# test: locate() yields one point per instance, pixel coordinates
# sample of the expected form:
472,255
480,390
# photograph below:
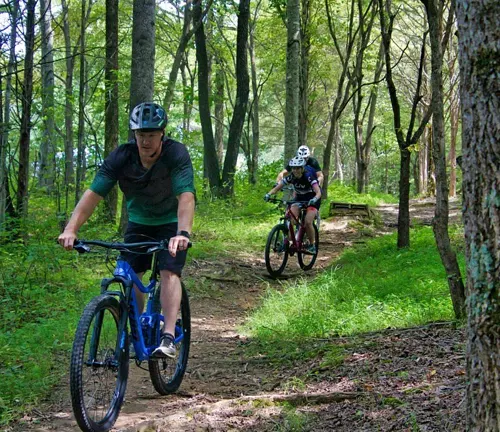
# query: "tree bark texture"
143,52
241,102
479,57
5,197
111,109
46,174
305,49
219,112
440,223
27,94
255,111
210,160
69,172
292,79
80,159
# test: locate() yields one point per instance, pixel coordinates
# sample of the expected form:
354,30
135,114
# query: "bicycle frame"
294,242
147,323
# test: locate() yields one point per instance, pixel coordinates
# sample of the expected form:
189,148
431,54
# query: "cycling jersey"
151,194
311,162
304,185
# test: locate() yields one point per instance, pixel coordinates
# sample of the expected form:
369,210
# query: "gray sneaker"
166,348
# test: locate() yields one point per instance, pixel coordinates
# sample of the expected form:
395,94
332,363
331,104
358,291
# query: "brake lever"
81,247
163,246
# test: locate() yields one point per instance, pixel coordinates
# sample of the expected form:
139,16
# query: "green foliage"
344,193
372,287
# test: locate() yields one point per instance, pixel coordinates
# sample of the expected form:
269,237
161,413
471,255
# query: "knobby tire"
167,373
276,248
303,258
95,406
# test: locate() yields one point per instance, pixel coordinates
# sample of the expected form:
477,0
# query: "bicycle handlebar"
289,202
83,246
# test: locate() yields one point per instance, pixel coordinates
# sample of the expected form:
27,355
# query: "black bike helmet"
148,116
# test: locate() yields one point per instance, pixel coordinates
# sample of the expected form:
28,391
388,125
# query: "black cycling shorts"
141,233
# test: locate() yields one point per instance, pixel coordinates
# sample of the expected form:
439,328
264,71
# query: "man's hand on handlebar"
178,243
67,239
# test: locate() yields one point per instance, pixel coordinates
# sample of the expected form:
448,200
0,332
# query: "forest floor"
393,380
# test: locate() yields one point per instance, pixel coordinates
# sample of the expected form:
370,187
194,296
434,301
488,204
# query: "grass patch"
373,286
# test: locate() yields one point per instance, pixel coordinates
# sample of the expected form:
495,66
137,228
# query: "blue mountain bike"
100,357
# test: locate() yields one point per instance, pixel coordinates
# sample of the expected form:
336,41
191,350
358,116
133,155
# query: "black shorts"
141,233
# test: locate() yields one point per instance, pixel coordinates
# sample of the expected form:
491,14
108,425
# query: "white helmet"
297,162
303,152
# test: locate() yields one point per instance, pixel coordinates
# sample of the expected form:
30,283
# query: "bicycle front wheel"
276,254
167,373
307,259
99,370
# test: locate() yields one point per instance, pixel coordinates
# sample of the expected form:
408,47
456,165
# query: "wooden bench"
348,209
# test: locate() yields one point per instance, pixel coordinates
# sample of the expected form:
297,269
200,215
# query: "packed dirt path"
394,380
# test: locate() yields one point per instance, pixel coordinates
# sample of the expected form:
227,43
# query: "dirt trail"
389,380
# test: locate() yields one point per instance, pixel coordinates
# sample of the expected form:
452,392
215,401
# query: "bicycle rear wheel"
307,259
276,254
98,374
167,373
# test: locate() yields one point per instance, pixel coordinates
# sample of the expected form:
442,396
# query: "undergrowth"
43,289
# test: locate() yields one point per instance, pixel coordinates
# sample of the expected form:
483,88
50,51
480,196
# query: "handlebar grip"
80,247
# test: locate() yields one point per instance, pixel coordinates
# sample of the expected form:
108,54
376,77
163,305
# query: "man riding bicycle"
304,153
306,189
156,176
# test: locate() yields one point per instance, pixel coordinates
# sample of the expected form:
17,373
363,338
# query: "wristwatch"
184,233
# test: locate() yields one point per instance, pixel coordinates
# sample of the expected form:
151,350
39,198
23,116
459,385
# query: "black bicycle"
100,357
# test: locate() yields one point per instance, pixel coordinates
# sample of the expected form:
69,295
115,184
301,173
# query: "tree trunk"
440,223
46,174
111,109
255,111
143,53
240,106
80,160
219,112
292,79
454,118
479,54
68,110
211,163
186,36
5,198
27,94
305,49
411,137
143,64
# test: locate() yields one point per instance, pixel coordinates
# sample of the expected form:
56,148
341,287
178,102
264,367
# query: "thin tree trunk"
68,110
305,49
240,106
5,197
27,94
111,109
219,112
440,223
211,163
411,136
81,107
292,79
46,174
255,112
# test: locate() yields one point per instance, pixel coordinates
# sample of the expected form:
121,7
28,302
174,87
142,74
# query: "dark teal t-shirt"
151,194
